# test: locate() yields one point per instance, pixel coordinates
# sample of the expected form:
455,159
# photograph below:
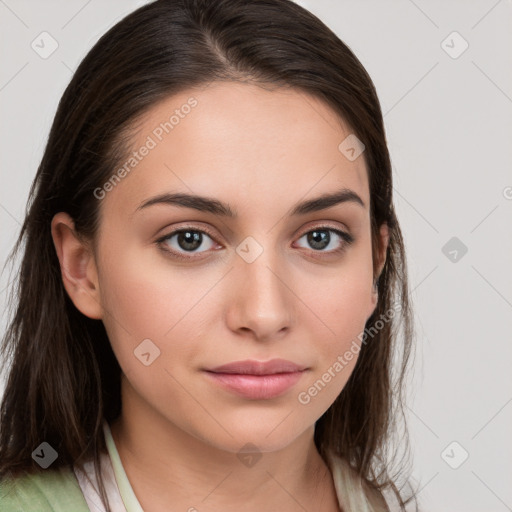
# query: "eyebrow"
211,205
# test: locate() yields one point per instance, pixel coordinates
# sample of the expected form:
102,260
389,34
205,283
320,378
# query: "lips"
257,380
259,368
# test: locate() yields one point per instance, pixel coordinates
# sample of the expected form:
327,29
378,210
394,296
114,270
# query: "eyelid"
198,227
322,225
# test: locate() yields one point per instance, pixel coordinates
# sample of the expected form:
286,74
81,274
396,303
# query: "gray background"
449,126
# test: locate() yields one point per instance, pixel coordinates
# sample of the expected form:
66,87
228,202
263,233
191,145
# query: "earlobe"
78,266
374,298
383,248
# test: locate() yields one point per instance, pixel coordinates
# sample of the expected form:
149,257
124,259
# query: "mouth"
251,367
257,380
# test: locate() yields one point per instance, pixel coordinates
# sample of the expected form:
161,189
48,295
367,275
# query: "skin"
261,151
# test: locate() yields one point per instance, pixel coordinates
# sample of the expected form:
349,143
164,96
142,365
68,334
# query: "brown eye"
189,240
321,239
183,241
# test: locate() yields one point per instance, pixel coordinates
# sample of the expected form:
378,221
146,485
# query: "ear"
78,266
383,240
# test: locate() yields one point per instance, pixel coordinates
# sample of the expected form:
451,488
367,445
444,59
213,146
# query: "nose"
260,300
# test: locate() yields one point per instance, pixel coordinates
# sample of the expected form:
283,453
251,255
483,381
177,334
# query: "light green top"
125,489
52,490
58,490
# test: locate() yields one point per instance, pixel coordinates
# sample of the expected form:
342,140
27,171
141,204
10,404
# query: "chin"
267,436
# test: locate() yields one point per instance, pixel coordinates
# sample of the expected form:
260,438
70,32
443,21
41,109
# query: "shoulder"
54,490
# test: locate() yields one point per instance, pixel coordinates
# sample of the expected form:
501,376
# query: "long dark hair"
64,378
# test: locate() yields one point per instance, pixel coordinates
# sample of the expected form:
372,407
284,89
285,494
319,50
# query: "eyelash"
346,237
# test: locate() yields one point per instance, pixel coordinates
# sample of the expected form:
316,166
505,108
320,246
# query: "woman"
213,276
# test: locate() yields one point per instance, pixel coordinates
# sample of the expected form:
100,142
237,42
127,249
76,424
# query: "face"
243,275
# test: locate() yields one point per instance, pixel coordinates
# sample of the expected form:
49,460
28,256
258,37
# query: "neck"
166,465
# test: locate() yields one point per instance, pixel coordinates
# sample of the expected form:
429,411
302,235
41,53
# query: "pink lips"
257,380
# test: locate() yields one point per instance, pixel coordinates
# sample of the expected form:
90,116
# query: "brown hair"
64,378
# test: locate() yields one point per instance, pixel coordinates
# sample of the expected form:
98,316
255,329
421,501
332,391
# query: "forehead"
240,143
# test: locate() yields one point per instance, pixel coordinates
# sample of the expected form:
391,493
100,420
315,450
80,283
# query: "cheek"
151,299
142,293
341,305
340,302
